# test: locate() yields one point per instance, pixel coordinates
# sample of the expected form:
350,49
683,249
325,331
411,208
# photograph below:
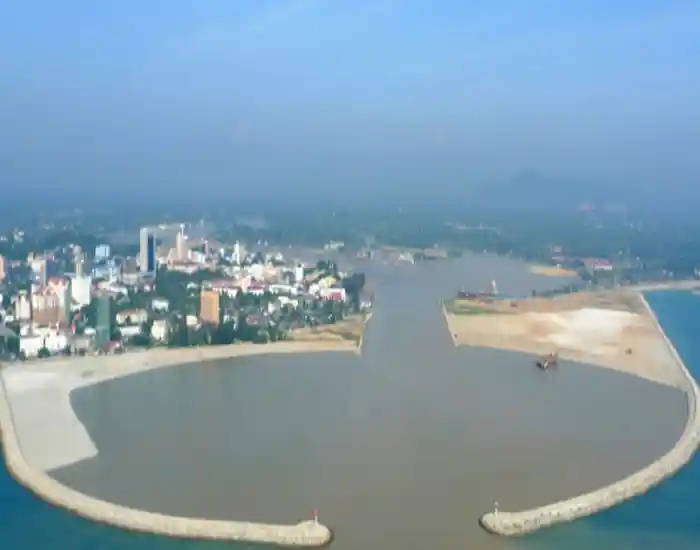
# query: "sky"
379,98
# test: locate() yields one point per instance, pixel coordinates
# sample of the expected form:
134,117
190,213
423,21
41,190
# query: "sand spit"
519,523
58,378
612,330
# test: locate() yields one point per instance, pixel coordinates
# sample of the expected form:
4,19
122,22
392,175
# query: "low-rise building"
129,331
127,317
33,339
160,305
337,294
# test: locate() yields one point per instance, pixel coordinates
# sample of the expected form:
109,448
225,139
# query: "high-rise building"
104,319
2,268
210,307
79,260
46,307
181,248
62,288
39,270
237,259
147,253
102,252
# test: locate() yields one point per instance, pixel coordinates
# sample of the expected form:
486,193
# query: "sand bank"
40,432
518,523
551,271
612,330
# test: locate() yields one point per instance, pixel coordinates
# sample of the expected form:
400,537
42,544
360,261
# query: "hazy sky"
316,95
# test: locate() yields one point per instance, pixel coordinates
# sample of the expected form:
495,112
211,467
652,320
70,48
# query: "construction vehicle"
550,360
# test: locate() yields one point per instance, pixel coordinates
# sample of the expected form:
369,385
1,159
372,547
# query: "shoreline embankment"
447,322
528,521
306,533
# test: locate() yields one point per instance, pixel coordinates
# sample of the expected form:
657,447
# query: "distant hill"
532,192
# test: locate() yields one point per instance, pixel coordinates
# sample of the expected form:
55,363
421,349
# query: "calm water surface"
403,447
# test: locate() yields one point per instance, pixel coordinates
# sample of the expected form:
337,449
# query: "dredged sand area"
624,335
40,432
612,329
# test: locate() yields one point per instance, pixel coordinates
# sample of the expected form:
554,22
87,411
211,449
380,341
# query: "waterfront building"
105,319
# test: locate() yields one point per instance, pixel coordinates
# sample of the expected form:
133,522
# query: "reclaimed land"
66,375
528,521
351,330
611,329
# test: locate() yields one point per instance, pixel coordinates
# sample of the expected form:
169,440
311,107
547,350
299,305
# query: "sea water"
666,517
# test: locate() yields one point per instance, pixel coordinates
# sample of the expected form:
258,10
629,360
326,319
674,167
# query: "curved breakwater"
306,533
528,521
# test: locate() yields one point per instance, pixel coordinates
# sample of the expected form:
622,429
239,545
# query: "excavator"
550,360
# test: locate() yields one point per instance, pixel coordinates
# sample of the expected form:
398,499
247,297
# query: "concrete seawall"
447,322
528,521
368,316
306,533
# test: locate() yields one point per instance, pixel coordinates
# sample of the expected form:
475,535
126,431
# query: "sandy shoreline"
518,523
613,330
36,420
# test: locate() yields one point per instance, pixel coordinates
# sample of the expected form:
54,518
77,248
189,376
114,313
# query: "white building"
131,317
181,248
160,305
299,274
23,307
129,331
32,340
102,252
159,330
81,290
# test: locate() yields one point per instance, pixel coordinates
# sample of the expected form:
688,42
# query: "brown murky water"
401,448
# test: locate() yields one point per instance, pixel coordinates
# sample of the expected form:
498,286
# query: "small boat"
549,361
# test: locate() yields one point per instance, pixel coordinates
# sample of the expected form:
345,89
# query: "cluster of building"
92,306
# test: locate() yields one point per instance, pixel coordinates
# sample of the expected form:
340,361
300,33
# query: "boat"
548,361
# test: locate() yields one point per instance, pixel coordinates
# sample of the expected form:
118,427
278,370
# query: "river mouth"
403,447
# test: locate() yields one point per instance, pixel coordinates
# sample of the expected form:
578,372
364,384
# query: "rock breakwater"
528,521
